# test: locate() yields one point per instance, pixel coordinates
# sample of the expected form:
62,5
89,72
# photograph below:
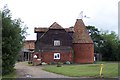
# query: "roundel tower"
82,44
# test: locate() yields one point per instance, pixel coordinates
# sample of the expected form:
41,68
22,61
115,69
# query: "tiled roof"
29,44
40,29
69,29
55,25
81,35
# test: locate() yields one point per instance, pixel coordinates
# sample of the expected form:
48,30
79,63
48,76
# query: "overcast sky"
42,13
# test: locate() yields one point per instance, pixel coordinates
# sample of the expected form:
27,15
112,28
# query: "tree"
96,37
110,46
105,43
12,39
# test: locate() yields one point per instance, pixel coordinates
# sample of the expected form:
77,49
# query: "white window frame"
56,55
56,42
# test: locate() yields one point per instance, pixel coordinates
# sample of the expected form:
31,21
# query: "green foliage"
110,46
12,39
29,62
96,37
105,43
11,75
59,64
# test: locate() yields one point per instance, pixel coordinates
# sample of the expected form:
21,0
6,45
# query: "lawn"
110,70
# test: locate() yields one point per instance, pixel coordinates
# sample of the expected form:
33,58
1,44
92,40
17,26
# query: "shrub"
59,64
68,62
30,62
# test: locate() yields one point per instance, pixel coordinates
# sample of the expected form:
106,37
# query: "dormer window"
56,42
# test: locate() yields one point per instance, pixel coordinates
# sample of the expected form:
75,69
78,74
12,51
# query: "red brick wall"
35,60
64,56
38,55
83,53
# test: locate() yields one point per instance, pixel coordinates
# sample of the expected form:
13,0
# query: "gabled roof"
55,25
81,35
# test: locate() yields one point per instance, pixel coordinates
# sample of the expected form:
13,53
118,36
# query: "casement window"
56,55
56,42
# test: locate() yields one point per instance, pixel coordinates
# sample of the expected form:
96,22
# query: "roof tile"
55,25
81,35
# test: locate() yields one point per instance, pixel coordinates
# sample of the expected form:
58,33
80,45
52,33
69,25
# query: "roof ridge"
55,25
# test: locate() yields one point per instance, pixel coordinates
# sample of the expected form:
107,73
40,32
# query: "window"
56,55
56,42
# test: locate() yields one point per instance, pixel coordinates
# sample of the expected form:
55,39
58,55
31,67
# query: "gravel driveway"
25,71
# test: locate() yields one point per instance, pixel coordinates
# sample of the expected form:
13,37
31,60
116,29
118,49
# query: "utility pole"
119,20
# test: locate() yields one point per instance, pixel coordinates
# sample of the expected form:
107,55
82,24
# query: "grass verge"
110,70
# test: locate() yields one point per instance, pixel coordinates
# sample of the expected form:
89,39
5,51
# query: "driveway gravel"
24,70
